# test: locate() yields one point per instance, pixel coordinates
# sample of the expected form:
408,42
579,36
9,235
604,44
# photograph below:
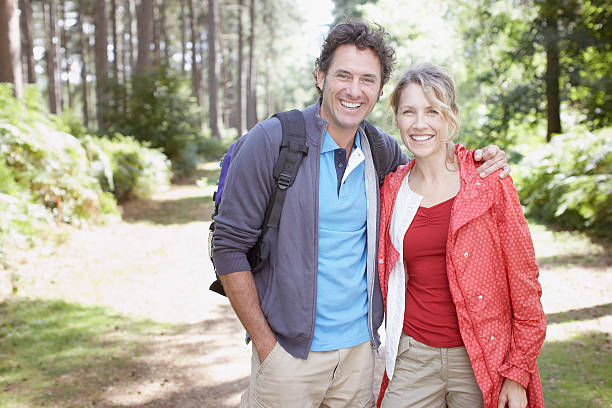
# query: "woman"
457,268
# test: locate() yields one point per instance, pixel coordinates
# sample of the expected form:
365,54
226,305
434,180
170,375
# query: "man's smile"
350,105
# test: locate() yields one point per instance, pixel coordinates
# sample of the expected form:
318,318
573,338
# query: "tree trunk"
131,21
52,77
10,53
551,45
156,34
163,30
195,70
227,86
252,75
101,59
124,46
213,68
271,55
241,88
115,41
183,39
84,47
27,44
145,35
66,55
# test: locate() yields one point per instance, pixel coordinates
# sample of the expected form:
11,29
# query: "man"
313,308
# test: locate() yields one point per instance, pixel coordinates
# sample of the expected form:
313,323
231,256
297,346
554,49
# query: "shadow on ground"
597,260
169,212
55,353
585,313
206,173
214,396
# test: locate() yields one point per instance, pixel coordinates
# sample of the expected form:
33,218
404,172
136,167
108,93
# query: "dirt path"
155,265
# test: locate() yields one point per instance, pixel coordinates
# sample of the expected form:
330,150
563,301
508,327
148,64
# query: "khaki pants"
431,377
327,379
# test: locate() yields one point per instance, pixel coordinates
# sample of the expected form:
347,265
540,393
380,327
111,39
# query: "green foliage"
69,122
569,181
47,175
503,85
161,111
500,85
214,149
135,170
585,42
53,167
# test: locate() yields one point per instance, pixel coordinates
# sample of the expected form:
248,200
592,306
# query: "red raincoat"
493,279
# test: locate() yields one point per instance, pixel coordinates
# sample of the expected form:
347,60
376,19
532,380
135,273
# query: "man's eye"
369,80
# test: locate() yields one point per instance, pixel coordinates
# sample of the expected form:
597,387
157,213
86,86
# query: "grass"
575,363
55,353
578,372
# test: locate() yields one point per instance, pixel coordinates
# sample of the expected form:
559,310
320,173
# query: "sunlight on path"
162,272
576,275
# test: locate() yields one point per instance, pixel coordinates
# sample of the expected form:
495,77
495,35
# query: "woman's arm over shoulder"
528,318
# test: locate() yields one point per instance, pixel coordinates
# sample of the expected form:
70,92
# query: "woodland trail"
153,266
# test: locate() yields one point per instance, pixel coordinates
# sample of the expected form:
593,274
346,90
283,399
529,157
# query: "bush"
54,167
214,149
44,174
162,111
136,170
568,182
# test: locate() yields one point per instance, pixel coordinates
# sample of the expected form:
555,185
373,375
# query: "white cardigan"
406,206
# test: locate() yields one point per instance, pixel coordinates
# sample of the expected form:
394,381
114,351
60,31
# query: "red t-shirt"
430,316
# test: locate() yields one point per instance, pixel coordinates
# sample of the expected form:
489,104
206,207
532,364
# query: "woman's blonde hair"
439,88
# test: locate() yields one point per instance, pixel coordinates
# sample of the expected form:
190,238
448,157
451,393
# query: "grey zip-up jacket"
287,281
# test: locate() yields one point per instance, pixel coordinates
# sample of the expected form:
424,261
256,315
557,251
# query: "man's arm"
494,158
238,226
242,294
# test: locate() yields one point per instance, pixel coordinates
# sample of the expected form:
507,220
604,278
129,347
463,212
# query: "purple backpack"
292,150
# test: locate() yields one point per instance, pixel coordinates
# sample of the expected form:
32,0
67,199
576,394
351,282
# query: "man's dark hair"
361,36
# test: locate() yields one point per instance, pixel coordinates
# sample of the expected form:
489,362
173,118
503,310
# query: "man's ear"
320,79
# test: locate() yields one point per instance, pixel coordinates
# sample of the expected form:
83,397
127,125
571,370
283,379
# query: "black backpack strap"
292,150
377,147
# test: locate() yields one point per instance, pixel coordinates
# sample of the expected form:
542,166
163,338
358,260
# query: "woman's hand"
513,394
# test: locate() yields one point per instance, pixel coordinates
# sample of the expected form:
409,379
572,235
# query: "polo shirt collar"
329,144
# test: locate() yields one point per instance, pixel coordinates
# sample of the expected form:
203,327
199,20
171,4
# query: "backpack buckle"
284,181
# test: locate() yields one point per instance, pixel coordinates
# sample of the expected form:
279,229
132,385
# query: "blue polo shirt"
342,299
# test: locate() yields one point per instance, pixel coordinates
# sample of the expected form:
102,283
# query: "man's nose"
354,88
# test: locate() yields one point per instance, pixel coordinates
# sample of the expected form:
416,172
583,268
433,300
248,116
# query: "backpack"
292,150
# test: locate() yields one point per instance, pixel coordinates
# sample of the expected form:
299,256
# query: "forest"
187,78
114,115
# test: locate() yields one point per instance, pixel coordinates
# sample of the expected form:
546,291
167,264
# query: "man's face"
351,87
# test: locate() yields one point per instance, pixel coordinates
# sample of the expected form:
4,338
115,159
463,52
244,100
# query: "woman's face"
423,128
